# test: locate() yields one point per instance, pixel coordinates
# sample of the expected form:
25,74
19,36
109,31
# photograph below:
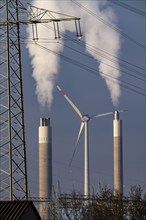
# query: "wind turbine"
84,125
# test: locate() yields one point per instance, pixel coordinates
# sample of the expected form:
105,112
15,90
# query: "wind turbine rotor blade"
103,114
70,102
80,131
73,156
125,110
108,113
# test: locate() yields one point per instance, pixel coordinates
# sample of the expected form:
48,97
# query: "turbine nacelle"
85,118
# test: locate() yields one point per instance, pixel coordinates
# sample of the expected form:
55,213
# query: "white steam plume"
96,33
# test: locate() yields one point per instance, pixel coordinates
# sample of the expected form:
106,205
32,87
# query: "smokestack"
45,166
118,154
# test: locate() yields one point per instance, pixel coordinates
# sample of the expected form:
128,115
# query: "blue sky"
89,92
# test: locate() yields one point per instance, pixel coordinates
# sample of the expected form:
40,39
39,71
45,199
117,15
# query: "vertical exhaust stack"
45,166
118,154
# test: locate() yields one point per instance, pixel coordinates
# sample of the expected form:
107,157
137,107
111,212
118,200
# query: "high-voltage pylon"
13,170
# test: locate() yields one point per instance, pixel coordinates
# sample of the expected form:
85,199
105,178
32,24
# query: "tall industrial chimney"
45,167
118,154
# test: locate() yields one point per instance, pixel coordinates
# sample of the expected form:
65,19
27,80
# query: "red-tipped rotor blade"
69,101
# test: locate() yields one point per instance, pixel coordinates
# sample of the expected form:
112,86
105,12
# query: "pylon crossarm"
38,14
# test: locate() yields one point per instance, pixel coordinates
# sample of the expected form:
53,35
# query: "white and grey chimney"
118,154
45,166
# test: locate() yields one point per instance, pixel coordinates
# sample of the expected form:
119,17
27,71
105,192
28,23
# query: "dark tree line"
103,205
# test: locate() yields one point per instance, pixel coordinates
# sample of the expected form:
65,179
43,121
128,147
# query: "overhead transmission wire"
89,69
109,25
89,56
93,71
82,44
116,2
129,7
108,55
94,49
122,60
105,55
130,74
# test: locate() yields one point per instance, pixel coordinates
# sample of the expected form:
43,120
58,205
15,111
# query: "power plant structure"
45,167
118,154
13,170
13,13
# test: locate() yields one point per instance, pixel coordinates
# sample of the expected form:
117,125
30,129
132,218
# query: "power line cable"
93,71
73,49
89,56
109,25
129,7
102,53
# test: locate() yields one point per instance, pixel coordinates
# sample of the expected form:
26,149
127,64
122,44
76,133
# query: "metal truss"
13,172
40,15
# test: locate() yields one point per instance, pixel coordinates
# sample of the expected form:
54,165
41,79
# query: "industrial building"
18,210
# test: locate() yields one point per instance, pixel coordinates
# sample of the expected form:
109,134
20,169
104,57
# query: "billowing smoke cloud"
46,65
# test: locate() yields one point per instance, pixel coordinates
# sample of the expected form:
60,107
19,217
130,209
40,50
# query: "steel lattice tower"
13,172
